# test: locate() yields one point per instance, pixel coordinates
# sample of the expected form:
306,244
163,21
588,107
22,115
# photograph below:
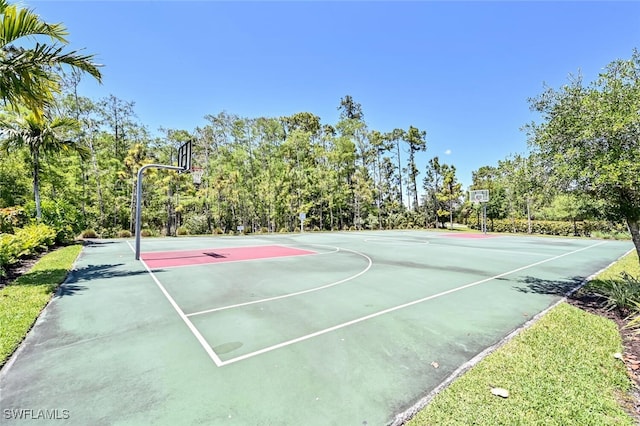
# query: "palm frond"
18,22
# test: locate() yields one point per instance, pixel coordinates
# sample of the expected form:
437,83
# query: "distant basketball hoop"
479,196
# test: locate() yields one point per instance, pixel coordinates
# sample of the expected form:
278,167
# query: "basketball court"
307,328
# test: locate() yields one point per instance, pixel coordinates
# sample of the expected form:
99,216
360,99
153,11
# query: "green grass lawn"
628,263
560,371
22,301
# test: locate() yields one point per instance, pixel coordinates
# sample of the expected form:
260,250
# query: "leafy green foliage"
621,293
547,227
12,217
29,74
61,216
25,242
590,137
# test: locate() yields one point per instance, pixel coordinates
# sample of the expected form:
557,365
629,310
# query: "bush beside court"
23,243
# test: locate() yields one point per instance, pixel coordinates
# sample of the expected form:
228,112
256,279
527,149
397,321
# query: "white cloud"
447,152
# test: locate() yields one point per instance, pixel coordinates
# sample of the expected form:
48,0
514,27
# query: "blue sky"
462,71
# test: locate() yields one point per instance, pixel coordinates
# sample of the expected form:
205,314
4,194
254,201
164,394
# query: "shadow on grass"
555,287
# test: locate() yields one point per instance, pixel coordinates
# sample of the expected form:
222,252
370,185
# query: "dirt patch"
630,342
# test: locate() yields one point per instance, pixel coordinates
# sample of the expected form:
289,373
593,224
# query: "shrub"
25,242
146,233
124,233
182,231
12,217
621,294
88,233
196,224
597,229
65,218
217,231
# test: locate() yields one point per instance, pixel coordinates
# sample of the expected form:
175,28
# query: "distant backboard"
479,196
184,156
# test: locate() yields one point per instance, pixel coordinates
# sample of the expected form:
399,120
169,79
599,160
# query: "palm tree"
30,76
40,136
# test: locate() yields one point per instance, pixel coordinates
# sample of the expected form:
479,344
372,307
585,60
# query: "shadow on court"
94,272
315,329
551,287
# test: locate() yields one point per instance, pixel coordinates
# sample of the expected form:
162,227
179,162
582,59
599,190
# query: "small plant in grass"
182,231
619,284
634,319
124,233
619,293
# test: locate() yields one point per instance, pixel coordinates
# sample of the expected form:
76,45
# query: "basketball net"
196,175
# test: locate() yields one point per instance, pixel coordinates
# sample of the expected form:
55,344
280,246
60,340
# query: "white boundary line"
395,241
406,305
284,296
208,349
214,357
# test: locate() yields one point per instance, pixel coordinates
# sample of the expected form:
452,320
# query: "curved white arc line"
396,308
284,296
214,357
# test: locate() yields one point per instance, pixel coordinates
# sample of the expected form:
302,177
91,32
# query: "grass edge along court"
530,420
22,301
560,370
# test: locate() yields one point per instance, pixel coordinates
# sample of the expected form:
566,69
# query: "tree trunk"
451,214
634,229
399,173
36,185
94,164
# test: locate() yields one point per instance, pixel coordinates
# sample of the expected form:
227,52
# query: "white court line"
395,241
396,308
284,296
208,349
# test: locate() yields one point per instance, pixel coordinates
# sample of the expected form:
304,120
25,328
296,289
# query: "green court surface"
302,329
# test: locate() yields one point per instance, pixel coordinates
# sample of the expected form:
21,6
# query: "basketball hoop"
479,196
196,174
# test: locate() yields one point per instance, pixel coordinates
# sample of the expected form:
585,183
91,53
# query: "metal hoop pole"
139,199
